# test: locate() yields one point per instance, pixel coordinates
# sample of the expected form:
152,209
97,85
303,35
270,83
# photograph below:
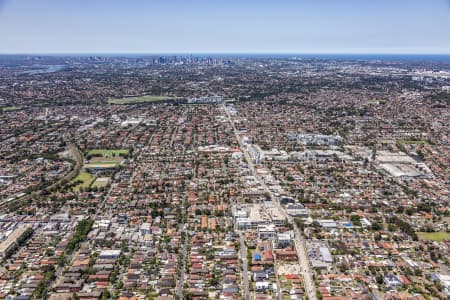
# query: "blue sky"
225,26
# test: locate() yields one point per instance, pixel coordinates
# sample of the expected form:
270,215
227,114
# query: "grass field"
100,159
105,165
100,182
141,99
434,236
109,153
104,158
411,142
11,108
86,179
375,101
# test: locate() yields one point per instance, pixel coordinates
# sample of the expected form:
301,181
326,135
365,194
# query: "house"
262,286
145,229
89,295
259,276
61,296
230,288
392,281
71,286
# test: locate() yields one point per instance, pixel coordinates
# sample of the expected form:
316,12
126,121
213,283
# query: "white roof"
110,252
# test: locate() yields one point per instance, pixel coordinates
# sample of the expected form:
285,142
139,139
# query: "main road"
299,241
244,267
182,266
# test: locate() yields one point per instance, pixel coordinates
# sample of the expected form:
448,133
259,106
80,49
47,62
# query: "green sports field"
434,236
141,99
109,153
85,178
101,165
100,182
11,108
411,142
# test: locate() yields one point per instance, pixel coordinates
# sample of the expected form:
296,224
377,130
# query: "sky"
225,26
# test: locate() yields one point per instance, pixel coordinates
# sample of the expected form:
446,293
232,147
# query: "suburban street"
73,153
183,257
299,241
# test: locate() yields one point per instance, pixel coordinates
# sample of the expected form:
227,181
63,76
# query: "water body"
45,69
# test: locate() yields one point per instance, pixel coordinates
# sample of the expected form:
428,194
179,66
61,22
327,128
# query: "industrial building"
13,240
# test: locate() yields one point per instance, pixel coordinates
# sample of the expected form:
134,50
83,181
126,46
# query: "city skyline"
263,27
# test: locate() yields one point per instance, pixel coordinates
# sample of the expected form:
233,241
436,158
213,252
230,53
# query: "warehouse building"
8,246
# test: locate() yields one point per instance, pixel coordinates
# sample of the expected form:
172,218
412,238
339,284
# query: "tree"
379,279
376,226
106,294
